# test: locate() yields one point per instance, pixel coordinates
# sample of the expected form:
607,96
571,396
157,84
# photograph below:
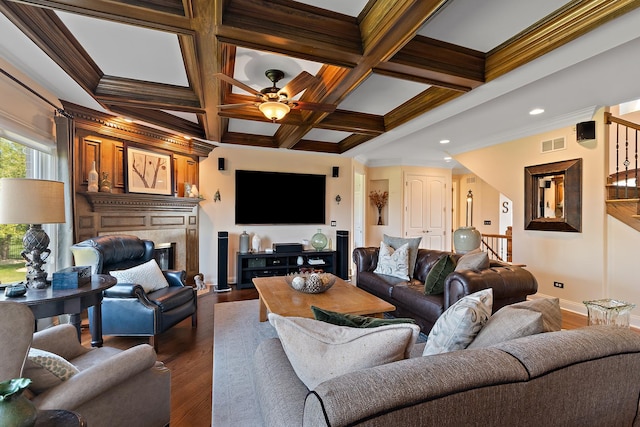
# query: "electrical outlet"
333,223
558,285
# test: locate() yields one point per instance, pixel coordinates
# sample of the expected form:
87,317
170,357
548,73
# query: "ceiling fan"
273,102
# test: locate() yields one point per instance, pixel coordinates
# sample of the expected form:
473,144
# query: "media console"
262,264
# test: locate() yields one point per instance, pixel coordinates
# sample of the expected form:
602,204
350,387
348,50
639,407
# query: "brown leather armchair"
127,310
112,388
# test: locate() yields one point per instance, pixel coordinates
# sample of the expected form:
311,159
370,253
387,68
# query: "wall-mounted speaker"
342,249
586,131
223,262
220,163
335,172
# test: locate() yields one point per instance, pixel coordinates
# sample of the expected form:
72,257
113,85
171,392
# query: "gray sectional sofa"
582,377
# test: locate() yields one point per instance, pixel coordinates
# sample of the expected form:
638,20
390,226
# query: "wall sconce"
338,199
216,197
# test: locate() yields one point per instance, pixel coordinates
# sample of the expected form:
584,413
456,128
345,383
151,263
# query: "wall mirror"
553,196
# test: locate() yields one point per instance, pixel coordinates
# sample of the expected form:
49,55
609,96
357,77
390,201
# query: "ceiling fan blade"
244,104
298,84
313,106
235,82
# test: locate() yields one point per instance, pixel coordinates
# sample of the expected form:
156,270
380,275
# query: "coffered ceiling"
393,77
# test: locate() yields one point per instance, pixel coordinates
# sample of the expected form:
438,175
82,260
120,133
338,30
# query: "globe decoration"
319,240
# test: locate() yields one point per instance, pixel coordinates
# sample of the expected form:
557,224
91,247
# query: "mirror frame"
572,220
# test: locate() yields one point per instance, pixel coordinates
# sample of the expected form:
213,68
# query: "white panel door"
425,198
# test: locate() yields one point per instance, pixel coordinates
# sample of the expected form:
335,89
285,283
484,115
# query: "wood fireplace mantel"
102,202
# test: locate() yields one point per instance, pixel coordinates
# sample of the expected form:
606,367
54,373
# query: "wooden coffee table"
276,296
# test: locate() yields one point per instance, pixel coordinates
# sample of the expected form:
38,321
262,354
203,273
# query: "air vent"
471,180
553,144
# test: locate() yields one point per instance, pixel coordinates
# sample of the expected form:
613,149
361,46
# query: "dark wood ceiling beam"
48,32
210,56
349,121
292,28
121,91
250,140
437,63
558,29
352,141
386,27
418,105
160,118
121,12
317,146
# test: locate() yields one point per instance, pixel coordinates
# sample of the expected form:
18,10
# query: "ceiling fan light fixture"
274,110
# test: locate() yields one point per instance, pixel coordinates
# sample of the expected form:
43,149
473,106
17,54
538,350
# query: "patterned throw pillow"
414,244
434,284
460,323
147,275
393,262
473,261
354,320
319,351
46,370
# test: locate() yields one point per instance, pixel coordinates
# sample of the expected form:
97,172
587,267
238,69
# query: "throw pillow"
393,262
354,320
434,284
506,324
460,323
320,351
473,261
548,307
147,275
414,244
46,370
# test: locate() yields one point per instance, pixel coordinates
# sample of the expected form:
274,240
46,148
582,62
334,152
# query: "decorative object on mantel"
244,242
105,183
187,189
467,239
310,283
16,409
92,179
194,191
319,240
380,200
255,243
41,202
216,197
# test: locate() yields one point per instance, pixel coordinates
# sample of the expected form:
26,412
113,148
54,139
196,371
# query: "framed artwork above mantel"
148,171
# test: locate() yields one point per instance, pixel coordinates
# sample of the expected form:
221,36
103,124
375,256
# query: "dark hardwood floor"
189,354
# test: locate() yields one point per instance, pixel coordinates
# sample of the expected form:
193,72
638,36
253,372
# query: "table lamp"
34,202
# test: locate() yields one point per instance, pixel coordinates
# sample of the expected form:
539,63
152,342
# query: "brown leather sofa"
510,284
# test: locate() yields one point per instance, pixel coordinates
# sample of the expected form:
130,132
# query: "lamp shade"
274,110
31,201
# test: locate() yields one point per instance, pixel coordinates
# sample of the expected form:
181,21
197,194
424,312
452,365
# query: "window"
20,161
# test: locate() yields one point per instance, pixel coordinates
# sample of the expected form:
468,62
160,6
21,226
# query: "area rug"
236,334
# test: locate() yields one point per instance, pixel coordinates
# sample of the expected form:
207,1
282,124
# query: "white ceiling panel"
128,51
483,25
346,7
326,135
380,94
249,126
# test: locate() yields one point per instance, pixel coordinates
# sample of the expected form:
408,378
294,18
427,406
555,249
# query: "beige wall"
582,261
219,216
486,204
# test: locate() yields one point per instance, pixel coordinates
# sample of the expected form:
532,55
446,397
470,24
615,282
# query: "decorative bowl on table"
310,283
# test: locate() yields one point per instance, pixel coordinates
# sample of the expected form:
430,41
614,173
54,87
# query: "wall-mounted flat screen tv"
279,198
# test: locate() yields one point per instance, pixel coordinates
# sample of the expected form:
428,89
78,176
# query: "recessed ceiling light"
447,159
127,119
187,137
536,111
444,141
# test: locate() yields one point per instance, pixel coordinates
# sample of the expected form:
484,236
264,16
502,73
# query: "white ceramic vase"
255,243
466,239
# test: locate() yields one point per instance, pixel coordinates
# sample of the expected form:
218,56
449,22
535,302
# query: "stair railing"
498,246
626,139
